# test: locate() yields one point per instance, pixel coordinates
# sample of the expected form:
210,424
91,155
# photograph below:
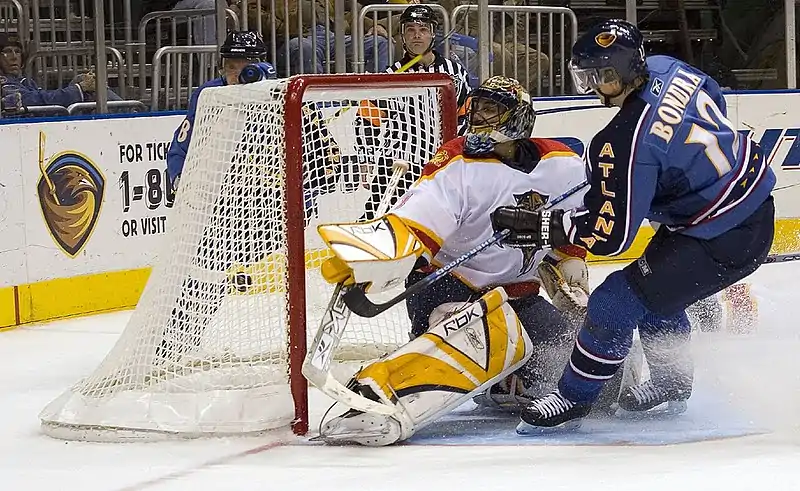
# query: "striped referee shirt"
440,65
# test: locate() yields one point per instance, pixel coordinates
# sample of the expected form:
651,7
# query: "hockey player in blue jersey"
242,61
672,156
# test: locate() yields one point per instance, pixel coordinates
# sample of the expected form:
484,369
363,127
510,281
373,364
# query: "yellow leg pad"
458,357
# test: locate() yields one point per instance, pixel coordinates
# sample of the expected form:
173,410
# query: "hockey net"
216,343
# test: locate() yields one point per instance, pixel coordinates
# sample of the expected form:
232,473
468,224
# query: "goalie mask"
499,110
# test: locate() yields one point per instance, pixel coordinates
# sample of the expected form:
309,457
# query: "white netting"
205,351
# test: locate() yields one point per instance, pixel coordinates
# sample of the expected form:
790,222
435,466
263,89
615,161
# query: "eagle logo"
529,201
605,39
70,193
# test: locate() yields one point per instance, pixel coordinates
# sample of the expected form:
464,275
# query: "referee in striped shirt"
418,29
418,26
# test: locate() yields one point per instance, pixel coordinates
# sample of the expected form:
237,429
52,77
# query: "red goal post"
294,198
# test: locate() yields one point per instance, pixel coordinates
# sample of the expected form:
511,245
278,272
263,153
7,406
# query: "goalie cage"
216,343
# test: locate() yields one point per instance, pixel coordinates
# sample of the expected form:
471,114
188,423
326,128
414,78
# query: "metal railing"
14,19
113,107
550,33
530,43
174,19
35,111
175,92
63,56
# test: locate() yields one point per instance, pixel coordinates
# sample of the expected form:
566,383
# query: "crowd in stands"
741,51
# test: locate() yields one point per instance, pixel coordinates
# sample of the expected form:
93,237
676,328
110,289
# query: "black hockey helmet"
420,15
247,45
500,108
612,50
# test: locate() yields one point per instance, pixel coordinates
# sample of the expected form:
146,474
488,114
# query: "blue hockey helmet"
611,51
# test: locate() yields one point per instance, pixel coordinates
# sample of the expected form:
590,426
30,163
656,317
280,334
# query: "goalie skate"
356,427
510,395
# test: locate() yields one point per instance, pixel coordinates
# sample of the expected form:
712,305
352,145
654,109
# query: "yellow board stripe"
106,292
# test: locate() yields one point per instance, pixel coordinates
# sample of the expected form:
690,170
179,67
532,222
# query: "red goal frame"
296,287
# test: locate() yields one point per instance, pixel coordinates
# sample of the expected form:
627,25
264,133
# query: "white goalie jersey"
449,209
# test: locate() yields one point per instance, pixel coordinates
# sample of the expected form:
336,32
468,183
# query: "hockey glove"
256,72
566,280
541,229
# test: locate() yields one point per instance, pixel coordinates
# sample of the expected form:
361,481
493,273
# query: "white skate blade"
525,429
665,410
372,430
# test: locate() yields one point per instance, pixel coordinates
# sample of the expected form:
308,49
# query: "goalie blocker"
467,350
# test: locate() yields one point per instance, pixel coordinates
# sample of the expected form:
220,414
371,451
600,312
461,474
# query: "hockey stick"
565,109
316,367
362,306
782,258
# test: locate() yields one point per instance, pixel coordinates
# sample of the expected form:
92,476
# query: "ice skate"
645,399
356,427
550,413
509,395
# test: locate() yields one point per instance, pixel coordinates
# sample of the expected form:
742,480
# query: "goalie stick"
357,300
316,367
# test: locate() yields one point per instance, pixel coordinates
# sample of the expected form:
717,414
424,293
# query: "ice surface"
747,385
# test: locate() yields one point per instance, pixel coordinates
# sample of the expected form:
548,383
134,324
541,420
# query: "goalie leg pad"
456,359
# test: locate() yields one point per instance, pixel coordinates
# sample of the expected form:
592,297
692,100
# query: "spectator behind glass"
204,29
312,15
19,92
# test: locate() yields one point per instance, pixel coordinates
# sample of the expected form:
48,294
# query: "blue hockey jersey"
176,156
669,155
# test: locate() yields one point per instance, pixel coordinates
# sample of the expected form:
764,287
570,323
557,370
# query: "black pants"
677,270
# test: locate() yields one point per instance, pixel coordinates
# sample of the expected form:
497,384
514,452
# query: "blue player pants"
651,293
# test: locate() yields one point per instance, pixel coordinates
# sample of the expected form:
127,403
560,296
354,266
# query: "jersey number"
708,110
184,131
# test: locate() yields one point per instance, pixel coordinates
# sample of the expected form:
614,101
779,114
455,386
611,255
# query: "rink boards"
113,169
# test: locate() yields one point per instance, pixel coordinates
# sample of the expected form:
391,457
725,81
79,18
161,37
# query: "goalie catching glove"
379,253
565,278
